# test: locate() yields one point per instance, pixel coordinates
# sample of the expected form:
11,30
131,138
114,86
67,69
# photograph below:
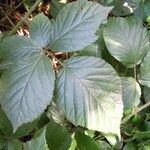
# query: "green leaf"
131,93
56,7
144,78
103,145
88,91
3,142
57,137
56,113
91,50
126,40
27,89
17,47
39,143
5,124
145,126
25,129
84,142
130,146
146,6
73,143
40,29
14,144
144,147
76,24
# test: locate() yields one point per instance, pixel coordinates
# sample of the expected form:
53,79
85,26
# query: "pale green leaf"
131,93
14,144
146,92
76,24
126,40
91,50
18,47
40,29
38,143
144,78
57,137
27,89
88,91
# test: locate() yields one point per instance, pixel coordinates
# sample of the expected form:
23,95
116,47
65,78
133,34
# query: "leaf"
142,135
144,147
39,143
131,93
57,137
130,146
27,89
76,24
144,78
91,50
56,7
126,40
103,145
146,92
17,47
3,142
146,6
122,8
56,113
84,142
42,120
88,91
14,144
5,124
73,143
25,129
40,29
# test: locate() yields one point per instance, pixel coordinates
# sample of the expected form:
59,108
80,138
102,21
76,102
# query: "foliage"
79,80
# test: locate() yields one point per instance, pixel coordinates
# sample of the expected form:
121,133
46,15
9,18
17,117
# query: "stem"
135,112
52,55
20,23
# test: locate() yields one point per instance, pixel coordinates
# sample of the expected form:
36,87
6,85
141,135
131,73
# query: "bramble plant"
79,81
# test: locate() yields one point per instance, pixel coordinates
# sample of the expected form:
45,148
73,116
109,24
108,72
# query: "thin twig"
135,112
20,23
7,16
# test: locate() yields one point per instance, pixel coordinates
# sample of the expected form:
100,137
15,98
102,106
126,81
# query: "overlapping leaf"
27,88
126,40
145,71
39,143
18,47
60,140
76,24
88,91
40,29
131,93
